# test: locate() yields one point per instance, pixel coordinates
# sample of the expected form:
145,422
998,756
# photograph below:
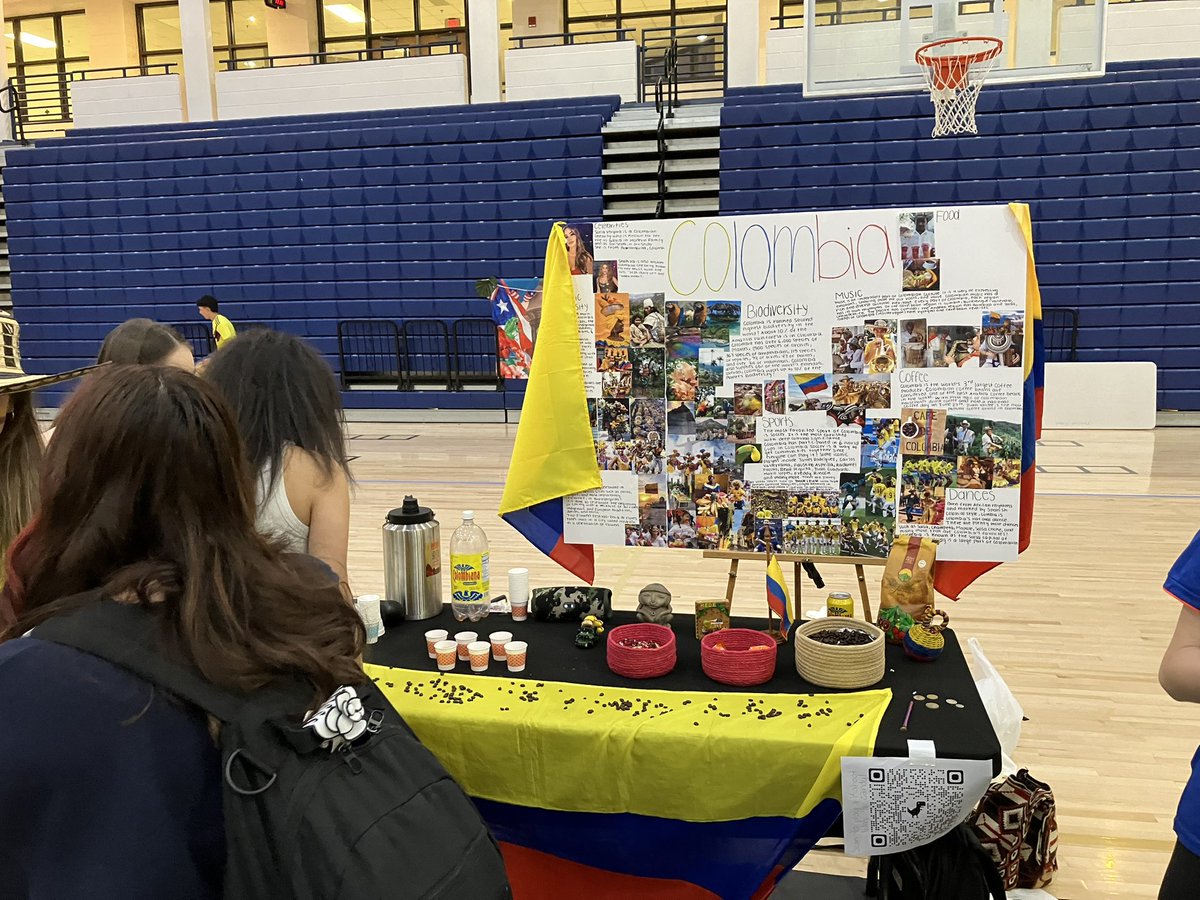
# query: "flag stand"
797,560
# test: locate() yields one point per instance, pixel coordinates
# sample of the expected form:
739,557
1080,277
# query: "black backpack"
378,818
954,867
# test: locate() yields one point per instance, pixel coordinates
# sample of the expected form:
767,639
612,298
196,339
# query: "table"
553,852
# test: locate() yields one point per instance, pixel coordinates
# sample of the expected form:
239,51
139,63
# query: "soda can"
839,603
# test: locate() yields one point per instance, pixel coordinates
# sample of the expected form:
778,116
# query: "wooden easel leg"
733,568
866,598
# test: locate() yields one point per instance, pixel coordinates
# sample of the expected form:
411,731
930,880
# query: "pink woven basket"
645,663
739,663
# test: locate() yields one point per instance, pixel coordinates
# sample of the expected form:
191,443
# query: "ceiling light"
33,40
702,38
347,13
252,19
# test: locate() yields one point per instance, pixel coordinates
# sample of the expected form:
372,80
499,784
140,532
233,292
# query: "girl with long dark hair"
110,788
289,412
144,342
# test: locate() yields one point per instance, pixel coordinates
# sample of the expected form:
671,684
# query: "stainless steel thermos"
412,560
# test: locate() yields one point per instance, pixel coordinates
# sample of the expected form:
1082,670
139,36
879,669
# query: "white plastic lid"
468,515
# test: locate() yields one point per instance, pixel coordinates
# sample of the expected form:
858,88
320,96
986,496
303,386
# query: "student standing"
222,328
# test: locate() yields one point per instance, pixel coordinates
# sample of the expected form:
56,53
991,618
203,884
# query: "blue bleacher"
1109,166
297,222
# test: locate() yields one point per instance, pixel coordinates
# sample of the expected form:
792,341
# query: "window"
421,26
43,51
657,17
239,33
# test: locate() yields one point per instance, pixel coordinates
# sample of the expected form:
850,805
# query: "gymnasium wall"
1110,167
295,222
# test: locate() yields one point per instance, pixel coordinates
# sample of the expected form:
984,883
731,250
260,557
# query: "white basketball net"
954,72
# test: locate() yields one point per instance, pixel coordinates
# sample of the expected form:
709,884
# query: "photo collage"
669,413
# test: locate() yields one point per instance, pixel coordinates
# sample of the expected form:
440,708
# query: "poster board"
804,382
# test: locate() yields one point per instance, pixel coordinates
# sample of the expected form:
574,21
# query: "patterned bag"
1016,825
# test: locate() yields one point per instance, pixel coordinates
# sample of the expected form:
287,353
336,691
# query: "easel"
797,560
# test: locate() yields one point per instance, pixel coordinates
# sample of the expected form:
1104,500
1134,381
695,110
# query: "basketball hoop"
955,69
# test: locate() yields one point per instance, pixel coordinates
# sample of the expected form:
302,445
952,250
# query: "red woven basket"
632,663
738,664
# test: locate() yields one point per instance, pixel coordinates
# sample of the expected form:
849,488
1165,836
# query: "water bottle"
470,580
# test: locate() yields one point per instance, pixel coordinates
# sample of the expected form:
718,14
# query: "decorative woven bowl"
839,667
748,656
635,663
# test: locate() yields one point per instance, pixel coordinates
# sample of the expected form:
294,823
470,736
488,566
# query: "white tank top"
275,514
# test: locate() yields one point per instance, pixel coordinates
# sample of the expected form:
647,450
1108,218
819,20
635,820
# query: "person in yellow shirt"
222,328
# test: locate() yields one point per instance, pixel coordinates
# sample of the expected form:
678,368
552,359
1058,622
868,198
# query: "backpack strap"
124,634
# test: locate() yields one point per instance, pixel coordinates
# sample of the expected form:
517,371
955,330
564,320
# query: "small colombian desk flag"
778,598
554,455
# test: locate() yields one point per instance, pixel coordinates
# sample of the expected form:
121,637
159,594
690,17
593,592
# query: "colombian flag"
952,578
777,595
610,793
554,455
814,385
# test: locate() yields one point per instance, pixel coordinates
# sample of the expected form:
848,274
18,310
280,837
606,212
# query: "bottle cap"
468,515
410,513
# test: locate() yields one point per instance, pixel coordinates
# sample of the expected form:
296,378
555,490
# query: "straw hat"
13,379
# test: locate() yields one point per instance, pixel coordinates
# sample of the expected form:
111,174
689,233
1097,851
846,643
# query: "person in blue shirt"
1179,675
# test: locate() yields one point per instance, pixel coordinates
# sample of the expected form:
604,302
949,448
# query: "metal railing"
569,38
41,104
666,98
696,53
326,57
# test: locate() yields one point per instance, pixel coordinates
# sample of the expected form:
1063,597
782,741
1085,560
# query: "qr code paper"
891,805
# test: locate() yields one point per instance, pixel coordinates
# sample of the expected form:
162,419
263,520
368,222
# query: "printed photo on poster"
880,442
681,418
807,391
1003,340
923,484
712,366
648,321
914,344
953,346
879,355
748,399
775,397
867,391
722,322
975,436
612,318
849,344
606,277
922,432
578,236
649,371
917,236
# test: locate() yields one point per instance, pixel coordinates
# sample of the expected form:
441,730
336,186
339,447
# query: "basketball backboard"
865,46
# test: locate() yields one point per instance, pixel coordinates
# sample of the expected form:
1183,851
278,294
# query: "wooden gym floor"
1077,625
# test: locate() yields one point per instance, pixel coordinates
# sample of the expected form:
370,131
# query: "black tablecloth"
957,733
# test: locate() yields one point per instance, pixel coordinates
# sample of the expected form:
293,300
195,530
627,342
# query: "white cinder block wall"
1166,30
147,100
340,87
578,70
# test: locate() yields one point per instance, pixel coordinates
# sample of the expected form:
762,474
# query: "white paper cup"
447,655
499,639
463,638
520,611
479,653
515,652
518,586
432,638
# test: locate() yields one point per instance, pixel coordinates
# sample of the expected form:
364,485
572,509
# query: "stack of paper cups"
368,608
518,586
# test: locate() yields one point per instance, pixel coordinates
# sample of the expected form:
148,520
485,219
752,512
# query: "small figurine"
654,605
590,630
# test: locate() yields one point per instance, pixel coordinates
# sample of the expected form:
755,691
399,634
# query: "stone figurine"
654,604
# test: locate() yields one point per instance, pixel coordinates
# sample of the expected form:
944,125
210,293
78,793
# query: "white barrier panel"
343,87
1136,31
142,100
576,70
1101,395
